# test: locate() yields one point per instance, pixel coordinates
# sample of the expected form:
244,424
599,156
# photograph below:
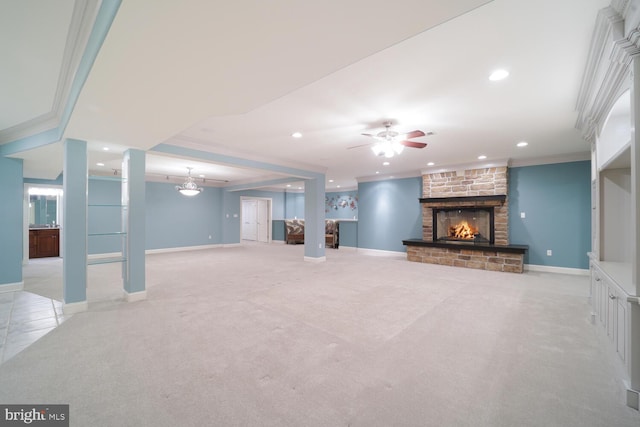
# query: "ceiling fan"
390,142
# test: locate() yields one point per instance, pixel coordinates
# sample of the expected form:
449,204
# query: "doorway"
42,213
256,219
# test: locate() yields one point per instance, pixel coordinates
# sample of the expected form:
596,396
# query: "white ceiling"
240,77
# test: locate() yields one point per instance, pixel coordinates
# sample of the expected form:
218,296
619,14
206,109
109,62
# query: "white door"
249,220
263,222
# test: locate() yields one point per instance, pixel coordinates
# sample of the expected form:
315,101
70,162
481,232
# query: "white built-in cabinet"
609,117
610,311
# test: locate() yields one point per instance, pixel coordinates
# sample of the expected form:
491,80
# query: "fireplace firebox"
464,225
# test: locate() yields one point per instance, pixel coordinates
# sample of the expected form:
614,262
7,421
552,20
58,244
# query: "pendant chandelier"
189,188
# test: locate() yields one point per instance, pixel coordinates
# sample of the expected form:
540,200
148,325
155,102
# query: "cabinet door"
611,314
604,297
48,243
33,244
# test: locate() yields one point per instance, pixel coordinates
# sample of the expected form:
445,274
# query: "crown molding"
83,18
466,166
614,44
387,177
564,158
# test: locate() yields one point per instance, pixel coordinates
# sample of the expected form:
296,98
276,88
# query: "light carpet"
256,336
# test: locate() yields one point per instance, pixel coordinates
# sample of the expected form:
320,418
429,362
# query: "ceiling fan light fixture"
397,147
498,75
378,149
189,188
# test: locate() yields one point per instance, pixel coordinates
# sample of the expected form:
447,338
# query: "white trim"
181,249
75,307
387,177
315,259
559,270
498,163
82,22
633,396
348,248
135,296
379,252
12,287
565,158
105,255
343,189
277,241
269,201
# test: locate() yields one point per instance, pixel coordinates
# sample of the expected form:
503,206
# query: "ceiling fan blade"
414,134
368,134
361,145
413,144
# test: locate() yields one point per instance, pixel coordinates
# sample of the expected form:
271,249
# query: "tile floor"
24,318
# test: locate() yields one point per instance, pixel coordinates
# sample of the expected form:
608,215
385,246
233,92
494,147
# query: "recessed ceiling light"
338,186
105,148
201,176
99,164
330,180
498,75
430,164
482,157
522,144
377,172
386,164
299,188
296,135
288,185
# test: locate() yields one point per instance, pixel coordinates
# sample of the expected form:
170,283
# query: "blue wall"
230,217
11,226
349,234
341,205
389,212
556,199
294,205
174,220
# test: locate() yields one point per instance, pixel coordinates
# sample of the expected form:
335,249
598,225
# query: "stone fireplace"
465,221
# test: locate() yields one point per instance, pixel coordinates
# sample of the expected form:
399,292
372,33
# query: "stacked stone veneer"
482,260
470,182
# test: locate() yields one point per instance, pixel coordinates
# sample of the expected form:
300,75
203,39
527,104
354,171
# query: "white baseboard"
181,249
379,252
12,287
559,270
348,248
633,396
135,296
232,245
75,307
315,259
105,255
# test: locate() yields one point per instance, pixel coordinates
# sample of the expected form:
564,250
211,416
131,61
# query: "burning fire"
462,230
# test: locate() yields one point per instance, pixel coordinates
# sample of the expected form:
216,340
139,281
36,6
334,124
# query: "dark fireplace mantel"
492,200
517,249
